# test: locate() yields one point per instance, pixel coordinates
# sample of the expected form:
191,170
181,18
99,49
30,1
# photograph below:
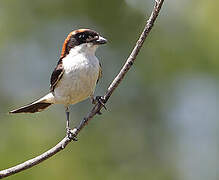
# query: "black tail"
31,108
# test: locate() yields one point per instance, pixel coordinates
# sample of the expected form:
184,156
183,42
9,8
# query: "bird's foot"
100,100
70,134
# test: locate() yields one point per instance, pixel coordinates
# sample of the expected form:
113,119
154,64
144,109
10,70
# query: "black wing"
56,75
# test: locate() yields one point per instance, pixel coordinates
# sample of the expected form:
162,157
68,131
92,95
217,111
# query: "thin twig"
63,143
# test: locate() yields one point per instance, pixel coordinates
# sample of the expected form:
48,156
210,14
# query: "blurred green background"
161,122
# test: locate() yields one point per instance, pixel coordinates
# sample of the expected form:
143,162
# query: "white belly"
78,81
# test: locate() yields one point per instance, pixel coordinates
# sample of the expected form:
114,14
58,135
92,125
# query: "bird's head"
82,40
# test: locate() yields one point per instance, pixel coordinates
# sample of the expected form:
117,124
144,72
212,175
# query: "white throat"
86,48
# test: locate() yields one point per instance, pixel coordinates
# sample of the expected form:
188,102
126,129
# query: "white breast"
81,69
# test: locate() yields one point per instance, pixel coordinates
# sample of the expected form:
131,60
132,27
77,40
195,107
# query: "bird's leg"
93,101
69,132
98,99
67,119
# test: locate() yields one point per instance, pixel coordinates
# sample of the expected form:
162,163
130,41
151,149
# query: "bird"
75,76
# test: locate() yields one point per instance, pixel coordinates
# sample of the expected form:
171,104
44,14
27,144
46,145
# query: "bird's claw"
100,100
70,134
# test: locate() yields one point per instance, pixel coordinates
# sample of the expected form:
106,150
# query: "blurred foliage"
161,123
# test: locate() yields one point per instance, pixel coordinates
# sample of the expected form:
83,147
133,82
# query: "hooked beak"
100,41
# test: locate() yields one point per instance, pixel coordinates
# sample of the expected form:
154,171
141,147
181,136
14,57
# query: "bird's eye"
81,36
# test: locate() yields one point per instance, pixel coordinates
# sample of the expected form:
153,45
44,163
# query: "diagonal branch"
63,143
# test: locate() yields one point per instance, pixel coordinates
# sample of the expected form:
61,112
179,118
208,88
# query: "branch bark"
64,142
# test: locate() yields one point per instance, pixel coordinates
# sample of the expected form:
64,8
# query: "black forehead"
85,34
